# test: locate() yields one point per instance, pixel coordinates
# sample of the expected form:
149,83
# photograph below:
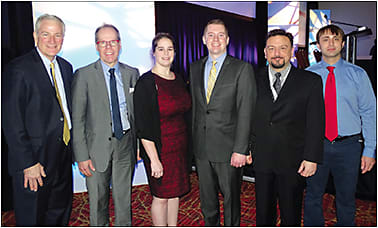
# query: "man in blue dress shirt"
355,118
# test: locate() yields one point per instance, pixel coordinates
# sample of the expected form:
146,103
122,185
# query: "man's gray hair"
49,17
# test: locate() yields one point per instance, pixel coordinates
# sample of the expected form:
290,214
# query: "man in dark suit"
104,140
287,133
223,97
36,121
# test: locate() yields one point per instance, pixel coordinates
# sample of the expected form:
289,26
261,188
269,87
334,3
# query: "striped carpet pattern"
190,212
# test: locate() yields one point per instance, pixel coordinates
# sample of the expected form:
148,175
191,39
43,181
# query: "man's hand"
238,160
367,164
249,158
33,176
85,167
307,168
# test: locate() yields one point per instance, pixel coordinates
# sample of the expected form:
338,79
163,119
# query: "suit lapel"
45,77
266,84
223,72
289,83
127,84
201,74
203,92
66,81
101,89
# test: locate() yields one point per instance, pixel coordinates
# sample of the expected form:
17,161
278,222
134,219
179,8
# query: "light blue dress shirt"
209,65
120,92
356,102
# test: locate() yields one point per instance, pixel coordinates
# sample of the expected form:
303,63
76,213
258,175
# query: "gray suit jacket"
91,117
222,126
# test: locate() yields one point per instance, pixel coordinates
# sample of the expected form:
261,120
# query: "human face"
49,39
330,45
164,52
278,52
108,54
216,40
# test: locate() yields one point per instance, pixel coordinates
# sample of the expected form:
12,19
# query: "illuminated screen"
318,19
136,24
285,15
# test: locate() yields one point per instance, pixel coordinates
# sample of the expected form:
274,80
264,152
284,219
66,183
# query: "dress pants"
120,172
51,205
342,159
287,187
215,176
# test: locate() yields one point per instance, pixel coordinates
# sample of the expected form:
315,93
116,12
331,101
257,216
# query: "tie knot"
52,65
214,62
330,68
111,71
278,75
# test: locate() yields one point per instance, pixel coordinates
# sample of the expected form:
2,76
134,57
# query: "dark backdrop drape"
16,39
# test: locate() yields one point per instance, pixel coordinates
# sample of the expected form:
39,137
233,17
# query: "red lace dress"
174,101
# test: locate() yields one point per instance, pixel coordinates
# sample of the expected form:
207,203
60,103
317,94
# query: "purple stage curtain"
186,22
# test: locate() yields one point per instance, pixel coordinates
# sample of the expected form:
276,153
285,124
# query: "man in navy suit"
36,119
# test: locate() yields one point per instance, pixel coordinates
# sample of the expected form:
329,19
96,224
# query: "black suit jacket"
222,126
31,116
290,129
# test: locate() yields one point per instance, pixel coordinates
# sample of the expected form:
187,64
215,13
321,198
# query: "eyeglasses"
104,43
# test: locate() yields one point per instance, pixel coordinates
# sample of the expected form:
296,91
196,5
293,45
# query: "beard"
277,65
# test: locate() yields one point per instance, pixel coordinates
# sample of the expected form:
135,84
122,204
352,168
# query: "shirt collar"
338,64
283,72
107,68
45,60
220,59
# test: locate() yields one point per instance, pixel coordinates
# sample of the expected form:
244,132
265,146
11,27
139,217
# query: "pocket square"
131,90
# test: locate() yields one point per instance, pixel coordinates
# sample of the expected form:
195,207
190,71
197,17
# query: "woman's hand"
156,169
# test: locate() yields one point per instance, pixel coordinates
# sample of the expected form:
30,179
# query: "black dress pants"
286,187
51,205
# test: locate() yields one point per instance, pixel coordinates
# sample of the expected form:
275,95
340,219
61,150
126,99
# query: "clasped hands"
240,160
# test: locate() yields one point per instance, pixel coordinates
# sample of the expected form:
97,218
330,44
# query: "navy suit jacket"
31,116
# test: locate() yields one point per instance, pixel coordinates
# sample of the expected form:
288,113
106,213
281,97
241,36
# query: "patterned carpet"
190,213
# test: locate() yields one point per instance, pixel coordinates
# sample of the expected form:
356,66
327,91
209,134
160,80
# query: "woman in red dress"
160,101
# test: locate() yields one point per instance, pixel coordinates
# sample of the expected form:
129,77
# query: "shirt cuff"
368,152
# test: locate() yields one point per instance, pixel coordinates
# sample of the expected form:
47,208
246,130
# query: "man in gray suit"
104,141
223,98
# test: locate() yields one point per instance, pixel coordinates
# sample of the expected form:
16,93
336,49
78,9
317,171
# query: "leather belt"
124,132
342,138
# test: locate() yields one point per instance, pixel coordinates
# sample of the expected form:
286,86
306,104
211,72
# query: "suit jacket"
91,117
290,129
32,118
222,126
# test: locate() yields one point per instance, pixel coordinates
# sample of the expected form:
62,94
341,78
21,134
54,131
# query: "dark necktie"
115,106
277,82
330,106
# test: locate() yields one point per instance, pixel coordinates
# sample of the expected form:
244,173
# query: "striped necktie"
211,81
66,130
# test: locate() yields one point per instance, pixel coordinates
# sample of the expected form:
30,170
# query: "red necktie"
330,106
